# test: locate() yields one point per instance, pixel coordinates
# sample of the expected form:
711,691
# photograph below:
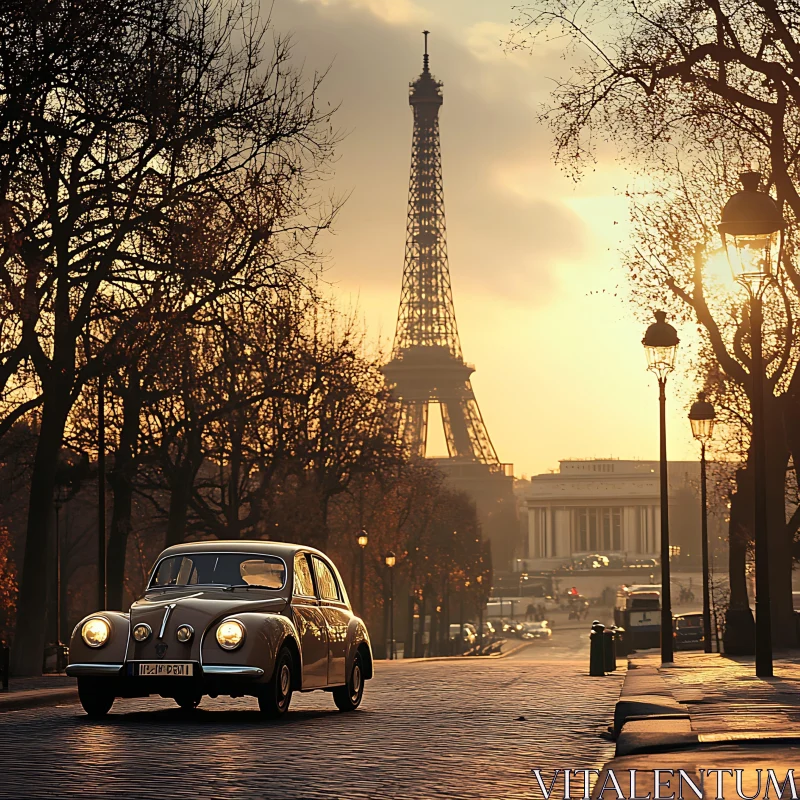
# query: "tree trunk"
179,499
121,481
29,639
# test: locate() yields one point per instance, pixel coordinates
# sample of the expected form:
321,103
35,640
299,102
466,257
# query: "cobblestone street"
437,729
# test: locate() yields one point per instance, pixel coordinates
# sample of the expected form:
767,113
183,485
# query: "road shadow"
201,717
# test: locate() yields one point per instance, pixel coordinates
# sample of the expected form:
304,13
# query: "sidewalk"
38,692
704,712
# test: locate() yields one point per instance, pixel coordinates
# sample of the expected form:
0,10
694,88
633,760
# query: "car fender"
356,636
264,636
112,652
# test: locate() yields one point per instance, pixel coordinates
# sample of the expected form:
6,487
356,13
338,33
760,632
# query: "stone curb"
657,720
37,698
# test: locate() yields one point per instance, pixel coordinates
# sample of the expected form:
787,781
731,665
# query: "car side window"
303,585
328,588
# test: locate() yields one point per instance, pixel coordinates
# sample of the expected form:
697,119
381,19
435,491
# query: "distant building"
610,507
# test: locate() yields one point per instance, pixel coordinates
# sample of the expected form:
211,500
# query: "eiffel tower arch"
427,366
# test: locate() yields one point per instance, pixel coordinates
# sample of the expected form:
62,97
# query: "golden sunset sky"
539,294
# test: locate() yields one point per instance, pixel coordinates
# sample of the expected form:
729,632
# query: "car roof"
284,550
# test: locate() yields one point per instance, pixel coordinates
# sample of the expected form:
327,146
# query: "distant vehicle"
650,563
593,561
550,604
535,630
644,587
470,637
688,631
637,609
489,629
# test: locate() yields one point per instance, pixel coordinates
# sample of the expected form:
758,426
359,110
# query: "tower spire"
426,57
427,365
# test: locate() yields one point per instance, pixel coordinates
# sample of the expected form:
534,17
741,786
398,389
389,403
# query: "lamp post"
363,540
751,227
61,495
391,560
661,344
479,581
101,490
701,417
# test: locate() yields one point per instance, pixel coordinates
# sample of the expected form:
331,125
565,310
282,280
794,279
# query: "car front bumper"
123,680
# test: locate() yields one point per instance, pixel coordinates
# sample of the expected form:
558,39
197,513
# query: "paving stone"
425,730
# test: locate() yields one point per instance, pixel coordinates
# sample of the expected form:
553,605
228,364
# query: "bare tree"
113,115
690,91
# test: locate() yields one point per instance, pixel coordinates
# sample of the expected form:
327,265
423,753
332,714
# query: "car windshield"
690,622
224,569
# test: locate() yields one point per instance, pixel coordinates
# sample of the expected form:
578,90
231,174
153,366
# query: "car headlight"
95,632
142,632
230,634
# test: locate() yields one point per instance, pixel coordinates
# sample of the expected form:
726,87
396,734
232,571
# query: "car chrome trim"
233,669
75,670
167,612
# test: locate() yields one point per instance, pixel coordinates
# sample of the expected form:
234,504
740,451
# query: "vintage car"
235,618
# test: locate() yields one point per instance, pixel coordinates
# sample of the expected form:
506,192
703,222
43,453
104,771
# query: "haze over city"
540,298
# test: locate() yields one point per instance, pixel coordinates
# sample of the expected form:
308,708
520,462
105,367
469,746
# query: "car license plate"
160,669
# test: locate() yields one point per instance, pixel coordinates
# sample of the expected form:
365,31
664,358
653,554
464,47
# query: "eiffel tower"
427,365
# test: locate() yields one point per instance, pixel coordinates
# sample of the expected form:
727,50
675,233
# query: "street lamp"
661,344
62,494
479,581
391,560
363,540
701,417
751,227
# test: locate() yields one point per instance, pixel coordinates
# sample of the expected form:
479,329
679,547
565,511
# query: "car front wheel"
188,702
348,698
96,700
274,700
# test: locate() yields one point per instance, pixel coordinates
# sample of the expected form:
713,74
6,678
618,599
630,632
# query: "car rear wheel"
96,700
274,700
189,702
348,698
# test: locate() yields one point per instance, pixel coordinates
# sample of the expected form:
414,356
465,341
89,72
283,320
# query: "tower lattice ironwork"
427,365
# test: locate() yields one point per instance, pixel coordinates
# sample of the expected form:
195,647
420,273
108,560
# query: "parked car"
470,636
536,630
688,631
489,630
236,618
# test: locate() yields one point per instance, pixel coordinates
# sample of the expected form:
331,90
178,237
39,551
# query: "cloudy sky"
539,295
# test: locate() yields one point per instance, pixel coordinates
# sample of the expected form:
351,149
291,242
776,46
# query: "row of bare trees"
689,94
162,195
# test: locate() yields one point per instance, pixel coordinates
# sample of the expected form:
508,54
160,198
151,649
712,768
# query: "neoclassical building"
603,506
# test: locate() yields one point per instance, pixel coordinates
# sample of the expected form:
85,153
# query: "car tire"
274,700
188,702
95,700
348,697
